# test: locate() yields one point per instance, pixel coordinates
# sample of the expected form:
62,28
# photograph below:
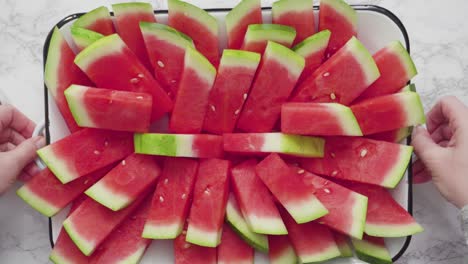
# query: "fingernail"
39,142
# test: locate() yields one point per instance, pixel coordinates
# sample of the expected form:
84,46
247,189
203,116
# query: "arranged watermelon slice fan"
286,142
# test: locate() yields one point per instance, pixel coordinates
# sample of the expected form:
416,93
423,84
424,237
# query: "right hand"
442,149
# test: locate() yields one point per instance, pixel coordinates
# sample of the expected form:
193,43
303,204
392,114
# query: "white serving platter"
376,27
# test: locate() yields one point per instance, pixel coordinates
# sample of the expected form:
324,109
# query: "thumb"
423,144
25,153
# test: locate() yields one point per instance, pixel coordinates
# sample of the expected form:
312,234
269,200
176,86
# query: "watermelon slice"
233,250
395,136
187,253
341,19
298,14
60,72
111,64
84,152
396,69
281,250
347,209
127,20
166,50
237,222
342,78
84,37
256,143
245,13
258,35
172,145
97,20
171,200
312,242
372,250
275,80
343,244
126,182
385,217
191,102
91,223
313,50
322,119
109,109
235,75
398,110
197,24
256,203
209,203
354,159
47,195
125,244
298,199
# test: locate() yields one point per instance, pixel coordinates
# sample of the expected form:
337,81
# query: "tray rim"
372,8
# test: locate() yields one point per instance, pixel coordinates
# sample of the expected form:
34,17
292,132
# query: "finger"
448,110
423,144
10,135
421,177
441,133
24,153
6,147
445,143
10,117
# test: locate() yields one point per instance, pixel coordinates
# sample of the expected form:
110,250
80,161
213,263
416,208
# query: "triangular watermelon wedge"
245,13
298,14
97,20
372,250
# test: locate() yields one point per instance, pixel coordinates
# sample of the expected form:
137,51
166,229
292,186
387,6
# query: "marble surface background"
439,39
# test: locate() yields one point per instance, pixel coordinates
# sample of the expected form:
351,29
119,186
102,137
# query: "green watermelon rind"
87,19
413,107
270,32
103,47
36,202
359,216
156,144
235,219
309,209
203,238
56,258
410,68
371,253
132,7
84,37
106,197
395,174
75,99
200,64
345,250
364,58
194,13
240,58
55,164
166,33
408,88
135,257
288,256
239,12
314,43
326,254
285,6
85,247
160,231
344,9
265,225
347,120
286,57
397,230
51,73
303,146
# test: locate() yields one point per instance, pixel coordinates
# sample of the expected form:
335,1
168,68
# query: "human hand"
442,149
17,148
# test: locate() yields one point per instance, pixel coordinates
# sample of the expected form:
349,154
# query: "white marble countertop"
439,41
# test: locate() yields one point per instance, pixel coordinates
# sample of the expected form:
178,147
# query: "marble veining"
439,43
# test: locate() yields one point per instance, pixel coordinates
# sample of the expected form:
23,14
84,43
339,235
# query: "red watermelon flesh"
389,112
171,200
347,209
341,19
110,109
91,223
46,194
342,78
60,72
245,13
85,151
278,73
233,250
395,136
187,253
209,203
385,217
166,50
355,159
112,65
298,14
281,250
97,20
126,182
312,241
287,186
198,25
344,245
396,70
255,201
127,20
125,244
230,90
191,102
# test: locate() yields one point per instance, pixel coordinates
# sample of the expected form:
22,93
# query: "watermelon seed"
160,64
161,199
213,108
333,96
106,143
133,217
124,162
326,190
187,245
326,74
173,81
97,152
245,96
363,153
332,155
166,180
334,173
184,232
86,182
183,196
300,171
134,80
140,75
207,191
237,112
139,97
